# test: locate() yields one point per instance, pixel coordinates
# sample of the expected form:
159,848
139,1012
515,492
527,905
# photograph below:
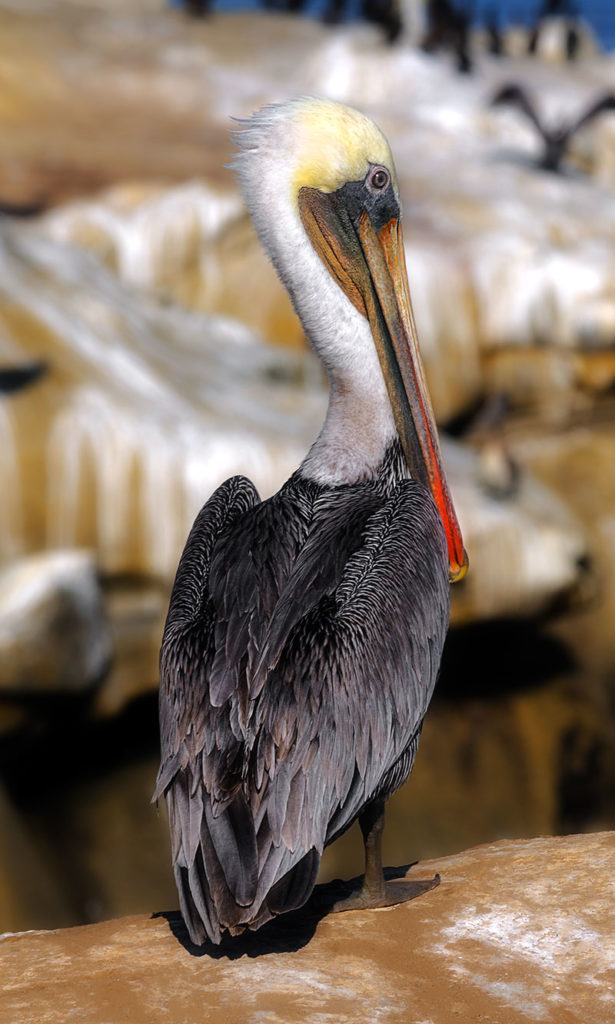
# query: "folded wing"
295,694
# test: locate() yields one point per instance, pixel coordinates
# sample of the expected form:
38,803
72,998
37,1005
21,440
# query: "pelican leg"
375,891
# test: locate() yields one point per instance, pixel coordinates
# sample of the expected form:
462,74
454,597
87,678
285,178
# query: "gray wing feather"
342,517
340,711
185,653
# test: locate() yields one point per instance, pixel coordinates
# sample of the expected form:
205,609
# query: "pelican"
304,632
556,139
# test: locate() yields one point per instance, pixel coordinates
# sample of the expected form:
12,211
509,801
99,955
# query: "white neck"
357,431
359,425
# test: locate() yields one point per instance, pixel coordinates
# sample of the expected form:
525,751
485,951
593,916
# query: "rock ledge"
517,932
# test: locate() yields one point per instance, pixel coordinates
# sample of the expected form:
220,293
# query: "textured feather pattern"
301,649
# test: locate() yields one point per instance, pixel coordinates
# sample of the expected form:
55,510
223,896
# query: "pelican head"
320,183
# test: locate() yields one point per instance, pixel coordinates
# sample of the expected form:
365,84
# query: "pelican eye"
379,178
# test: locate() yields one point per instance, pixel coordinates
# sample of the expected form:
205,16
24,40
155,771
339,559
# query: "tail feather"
234,841
220,883
295,887
201,924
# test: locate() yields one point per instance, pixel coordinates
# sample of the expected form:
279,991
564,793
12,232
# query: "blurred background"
147,352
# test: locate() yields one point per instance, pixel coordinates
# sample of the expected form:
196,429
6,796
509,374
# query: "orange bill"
385,258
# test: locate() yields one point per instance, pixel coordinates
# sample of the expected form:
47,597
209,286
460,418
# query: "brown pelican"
304,632
557,138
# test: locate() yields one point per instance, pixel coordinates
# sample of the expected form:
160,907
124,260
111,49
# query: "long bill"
370,266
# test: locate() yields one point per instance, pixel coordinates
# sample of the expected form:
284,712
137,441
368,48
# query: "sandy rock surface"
516,932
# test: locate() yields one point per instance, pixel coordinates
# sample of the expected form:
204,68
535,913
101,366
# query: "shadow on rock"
284,934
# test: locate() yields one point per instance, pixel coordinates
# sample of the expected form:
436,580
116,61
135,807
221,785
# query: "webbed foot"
400,890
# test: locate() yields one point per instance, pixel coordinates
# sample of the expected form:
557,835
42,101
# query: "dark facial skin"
374,195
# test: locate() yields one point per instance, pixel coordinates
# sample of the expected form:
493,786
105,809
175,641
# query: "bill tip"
458,570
